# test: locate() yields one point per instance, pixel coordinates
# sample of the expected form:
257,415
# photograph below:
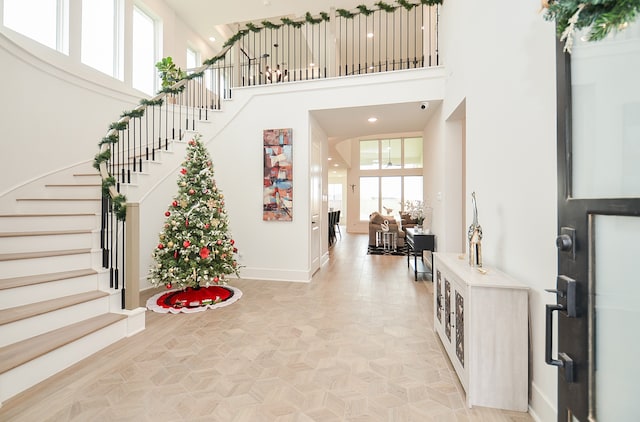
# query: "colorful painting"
277,201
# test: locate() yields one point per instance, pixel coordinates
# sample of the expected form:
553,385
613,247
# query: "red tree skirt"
193,300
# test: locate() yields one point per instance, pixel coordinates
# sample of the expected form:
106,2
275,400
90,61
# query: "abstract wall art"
277,200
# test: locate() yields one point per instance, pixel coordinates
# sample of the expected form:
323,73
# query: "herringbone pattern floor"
355,344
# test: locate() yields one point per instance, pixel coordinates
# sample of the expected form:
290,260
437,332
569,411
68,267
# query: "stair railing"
342,43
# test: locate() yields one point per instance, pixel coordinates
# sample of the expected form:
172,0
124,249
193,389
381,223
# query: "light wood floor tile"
354,344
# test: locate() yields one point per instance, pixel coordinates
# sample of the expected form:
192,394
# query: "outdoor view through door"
597,291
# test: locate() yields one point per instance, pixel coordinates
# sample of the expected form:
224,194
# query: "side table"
417,242
387,239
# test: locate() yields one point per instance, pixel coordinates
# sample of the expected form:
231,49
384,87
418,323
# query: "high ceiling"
214,18
204,16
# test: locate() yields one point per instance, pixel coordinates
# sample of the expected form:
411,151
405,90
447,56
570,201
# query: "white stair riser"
25,295
31,327
51,264
17,244
31,373
77,191
61,222
61,206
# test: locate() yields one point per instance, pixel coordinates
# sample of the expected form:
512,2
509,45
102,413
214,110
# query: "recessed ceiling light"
212,39
372,119
370,35
329,158
336,165
312,64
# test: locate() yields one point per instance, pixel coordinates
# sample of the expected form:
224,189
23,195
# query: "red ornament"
232,241
160,246
204,253
186,223
175,254
183,171
191,191
186,243
192,142
167,214
216,279
235,250
219,242
168,285
206,226
224,256
174,203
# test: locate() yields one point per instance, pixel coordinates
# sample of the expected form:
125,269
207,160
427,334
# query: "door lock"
566,241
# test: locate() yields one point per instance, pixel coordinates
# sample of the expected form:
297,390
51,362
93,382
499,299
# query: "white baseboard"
541,407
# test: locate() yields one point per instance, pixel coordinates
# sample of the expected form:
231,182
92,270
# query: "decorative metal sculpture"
475,237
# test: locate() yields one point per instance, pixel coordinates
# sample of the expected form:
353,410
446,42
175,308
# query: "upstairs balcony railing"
334,44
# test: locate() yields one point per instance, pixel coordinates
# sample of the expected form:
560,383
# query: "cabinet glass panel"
447,308
460,328
439,296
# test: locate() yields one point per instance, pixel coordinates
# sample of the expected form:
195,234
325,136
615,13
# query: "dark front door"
597,293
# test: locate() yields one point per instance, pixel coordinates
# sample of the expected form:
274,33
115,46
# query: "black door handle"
564,360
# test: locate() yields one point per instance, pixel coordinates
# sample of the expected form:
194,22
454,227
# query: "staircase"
56,306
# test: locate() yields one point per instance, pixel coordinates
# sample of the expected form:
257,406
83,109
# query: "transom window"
145,56
44,21
102,36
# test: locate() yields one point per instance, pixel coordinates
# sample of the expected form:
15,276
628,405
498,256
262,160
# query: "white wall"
500,59
54,106
280,250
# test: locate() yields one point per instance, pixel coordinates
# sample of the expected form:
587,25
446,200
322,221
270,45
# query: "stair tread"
16,354
66,185
41,254
85,214
59,199
10,283
33,309
43,233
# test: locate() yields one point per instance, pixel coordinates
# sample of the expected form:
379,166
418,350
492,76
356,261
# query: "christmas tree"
195,247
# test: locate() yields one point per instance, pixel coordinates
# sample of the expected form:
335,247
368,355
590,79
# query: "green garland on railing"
212,60
270,25
120,207
106,184
100,158
133,113
310,19
251,27
291,22
172,90
194,75
363,9
343,13
148,103
406,4
386,7
111,139
119,125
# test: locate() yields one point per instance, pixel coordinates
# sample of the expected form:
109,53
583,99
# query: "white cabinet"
482,321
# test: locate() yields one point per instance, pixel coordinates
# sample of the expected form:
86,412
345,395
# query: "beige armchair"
375,223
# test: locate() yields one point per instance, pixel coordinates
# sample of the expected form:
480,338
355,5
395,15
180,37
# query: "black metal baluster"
124,261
